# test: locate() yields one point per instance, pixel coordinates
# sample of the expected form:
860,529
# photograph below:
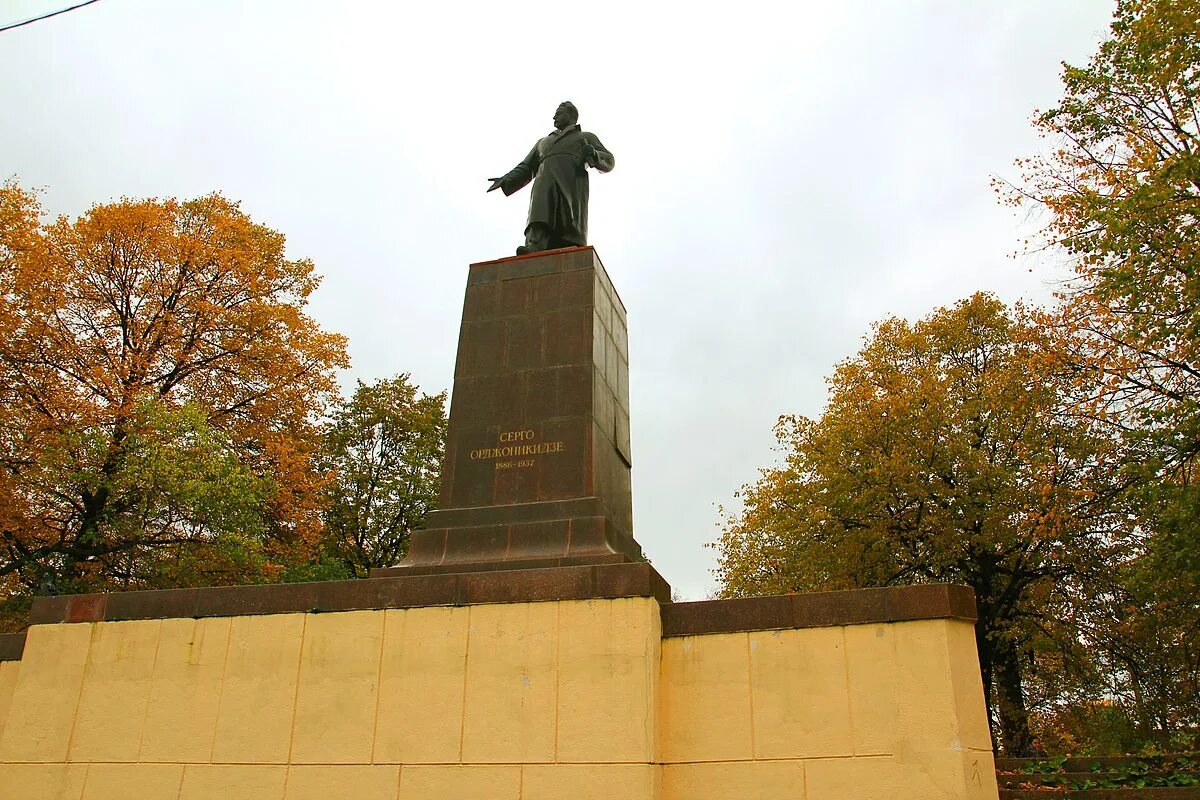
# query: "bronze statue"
558,202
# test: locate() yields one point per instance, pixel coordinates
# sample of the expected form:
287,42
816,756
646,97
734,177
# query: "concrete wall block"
327,781
116,691
8,685
422,683
588,782
874,709
46,696
122,781
744,780
967,683
233,782
185,690
42,781
258,690
455,782
608,657
940,776
338,688
799,693
927,713
511,695
705,696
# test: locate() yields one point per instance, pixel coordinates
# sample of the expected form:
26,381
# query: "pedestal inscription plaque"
537,469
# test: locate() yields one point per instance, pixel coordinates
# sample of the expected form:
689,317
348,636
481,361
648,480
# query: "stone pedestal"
537,469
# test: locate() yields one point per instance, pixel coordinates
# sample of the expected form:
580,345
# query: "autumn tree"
160,384
383,450
941,456
1121,184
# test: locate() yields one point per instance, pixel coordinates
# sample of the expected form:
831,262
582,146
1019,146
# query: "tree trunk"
983,644
1010,700
1139,702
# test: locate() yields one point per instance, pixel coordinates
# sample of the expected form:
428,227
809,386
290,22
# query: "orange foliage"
160,305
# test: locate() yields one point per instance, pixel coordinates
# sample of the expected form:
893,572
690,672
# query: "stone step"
1085,778
1155,793
1016,780
1084,764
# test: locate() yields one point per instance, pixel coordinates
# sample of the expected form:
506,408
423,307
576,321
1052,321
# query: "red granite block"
86,607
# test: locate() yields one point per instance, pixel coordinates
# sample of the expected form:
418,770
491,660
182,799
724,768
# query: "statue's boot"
537,239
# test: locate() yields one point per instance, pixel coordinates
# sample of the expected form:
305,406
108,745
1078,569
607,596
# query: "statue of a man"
557,165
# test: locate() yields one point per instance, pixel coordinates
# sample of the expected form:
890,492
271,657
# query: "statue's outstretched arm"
518,176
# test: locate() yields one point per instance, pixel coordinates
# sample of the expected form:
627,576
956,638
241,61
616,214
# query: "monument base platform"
579,682
520,536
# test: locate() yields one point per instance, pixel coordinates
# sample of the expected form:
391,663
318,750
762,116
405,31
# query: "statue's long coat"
559,197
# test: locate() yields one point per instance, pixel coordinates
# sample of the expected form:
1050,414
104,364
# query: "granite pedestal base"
538,456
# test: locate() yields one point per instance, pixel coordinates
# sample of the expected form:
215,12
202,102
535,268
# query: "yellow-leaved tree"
942,456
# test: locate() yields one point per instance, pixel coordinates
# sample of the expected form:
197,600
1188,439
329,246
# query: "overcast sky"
786,174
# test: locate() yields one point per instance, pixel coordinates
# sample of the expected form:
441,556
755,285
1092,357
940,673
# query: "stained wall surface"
514,701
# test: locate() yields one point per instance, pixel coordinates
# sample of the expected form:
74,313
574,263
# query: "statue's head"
565,115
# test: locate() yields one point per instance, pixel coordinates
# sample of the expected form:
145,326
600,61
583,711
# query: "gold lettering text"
510,449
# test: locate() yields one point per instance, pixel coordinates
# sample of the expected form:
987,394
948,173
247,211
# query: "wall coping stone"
820,609
605,581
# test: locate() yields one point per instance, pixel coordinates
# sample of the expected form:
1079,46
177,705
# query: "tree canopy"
383,449
940,457
1121,185
161,385
1048,459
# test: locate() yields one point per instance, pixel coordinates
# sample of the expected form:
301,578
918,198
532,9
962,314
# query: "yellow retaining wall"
891,711
575,699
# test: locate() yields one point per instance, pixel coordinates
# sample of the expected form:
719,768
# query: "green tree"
941,456
383,449
186,497
190,512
